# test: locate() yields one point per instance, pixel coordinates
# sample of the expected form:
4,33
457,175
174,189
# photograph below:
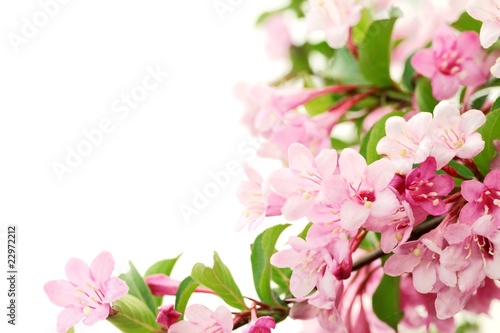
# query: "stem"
417,232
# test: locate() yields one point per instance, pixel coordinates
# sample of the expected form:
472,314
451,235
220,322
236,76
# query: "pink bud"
167,315
162,285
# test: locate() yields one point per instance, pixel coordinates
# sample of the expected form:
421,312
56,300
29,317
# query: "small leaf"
220,280
368,147
71,330
462,169
162,267
425,100
496,104
490,131
138,287
466,23
319,104
374,53
262,250
186,289
304,232
408,74
386,301
133,316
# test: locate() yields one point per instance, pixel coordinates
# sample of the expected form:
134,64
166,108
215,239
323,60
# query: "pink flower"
361,189
406,142
167,316
162,285
488,12
455,134
201,318
279,40
450,62
260,200
424,188
88,292
483,198
334,17
301,182
260,325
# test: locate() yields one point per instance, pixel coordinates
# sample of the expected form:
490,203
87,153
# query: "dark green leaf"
133,316
408,74
479,102
138,287
262,250
496,105
368,147
490,131
186,289
375,53
425,100
466,23
386,301
220,280
462,169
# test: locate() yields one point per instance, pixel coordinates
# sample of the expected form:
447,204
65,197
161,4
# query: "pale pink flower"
335,18
279,40
450,62
162,285
425,189
488,12
167,316
260,200
483,198
88,292
263,324
301,182
375,115
361,189
200,318
406,142
455,134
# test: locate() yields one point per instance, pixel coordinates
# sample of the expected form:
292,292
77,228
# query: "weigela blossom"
488,12
262,324
88,292
335,18
450,62
200,318
483,198
167,316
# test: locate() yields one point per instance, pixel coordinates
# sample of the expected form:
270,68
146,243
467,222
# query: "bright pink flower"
260,200
488,12
474,252
335,18
424,188
279,40
301,182
406,142
483,198
167,316
201,318
309,264
263,324
455,134
361,189
88,292
450,62
162,285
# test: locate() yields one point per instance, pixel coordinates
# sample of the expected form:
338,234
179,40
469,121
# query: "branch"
417,232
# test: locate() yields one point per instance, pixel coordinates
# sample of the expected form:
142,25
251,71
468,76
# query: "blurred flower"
488,12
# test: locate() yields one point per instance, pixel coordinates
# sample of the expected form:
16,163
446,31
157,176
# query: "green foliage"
386,301
161,267
408,73
368,147
344,67
186,289
262,250
466,23
425,100
375,55
138,287
220,280
133,316
490,131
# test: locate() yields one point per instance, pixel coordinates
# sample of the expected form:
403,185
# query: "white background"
125,195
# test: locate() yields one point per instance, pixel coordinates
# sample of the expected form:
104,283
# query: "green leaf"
161,267
359,30
368,147
462,169
133,316
71,330
281,276
262,250
138,287
466,23
344,67
408,73
186,289
496,104
319,104
304,232
374,53
425,100
479,102
490,131
386,301
220,280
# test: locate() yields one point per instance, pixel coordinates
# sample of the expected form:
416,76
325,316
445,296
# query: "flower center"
89,297
490,200
449,63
